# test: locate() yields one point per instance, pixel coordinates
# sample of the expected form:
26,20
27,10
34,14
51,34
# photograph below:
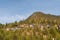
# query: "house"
45,37
58,27
13,29
48,26
7,29
41,27
24,25
31,25
53,39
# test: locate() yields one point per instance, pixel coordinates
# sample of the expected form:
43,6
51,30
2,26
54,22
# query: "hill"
40,17
26,30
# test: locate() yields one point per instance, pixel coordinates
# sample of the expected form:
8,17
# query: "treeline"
31,33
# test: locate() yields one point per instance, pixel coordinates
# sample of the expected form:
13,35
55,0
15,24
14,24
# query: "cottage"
53,39
45,37
58,27
7,29
24,25
21,26
31,25
13,29
48,26
41,27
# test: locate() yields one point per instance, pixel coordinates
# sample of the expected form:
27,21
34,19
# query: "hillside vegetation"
38,26
40,17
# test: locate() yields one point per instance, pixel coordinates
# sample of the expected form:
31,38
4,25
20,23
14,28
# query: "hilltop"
40,17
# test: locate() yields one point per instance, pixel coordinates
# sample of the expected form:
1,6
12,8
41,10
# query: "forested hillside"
38,26
40,17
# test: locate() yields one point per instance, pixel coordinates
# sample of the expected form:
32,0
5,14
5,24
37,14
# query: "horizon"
16,10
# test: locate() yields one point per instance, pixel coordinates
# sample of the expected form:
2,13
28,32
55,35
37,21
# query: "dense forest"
38,26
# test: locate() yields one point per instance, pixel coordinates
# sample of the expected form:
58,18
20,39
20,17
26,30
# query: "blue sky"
12,10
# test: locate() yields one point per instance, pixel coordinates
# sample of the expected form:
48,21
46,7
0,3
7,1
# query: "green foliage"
32,33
